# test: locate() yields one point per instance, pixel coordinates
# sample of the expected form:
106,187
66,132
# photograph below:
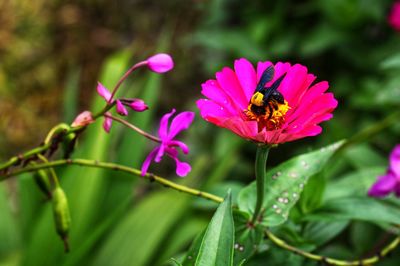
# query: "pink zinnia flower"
271,104
168,145
391,181
394,16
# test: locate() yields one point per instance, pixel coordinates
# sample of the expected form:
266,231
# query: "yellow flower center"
270,115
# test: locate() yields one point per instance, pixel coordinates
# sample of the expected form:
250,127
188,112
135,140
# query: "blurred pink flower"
107,122
137,105
160,63
394,16
295,114
391,181
83,119
168,145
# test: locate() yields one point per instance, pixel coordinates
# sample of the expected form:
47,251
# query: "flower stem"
124,77
261,161
116,167
135,128
331,261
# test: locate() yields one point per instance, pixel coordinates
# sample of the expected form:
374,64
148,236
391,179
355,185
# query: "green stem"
261,161
47,142
331,261
116,167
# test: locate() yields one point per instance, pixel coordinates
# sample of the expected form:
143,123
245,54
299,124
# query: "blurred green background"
52,53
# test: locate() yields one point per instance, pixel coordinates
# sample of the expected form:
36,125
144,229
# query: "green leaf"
284,185
85,187
216,247
353,184
137,236
247,237
312,195
8,226
321,232
393,62
357,208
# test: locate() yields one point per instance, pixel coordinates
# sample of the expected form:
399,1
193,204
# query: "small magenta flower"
272,104
160,63
391,181
394,16
83,119
168,145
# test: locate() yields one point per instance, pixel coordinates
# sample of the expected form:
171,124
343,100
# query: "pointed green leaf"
357,208
284,185
216,247
136,238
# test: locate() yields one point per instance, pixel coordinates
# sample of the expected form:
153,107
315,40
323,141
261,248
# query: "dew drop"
280,200
241,248
278,211
293,175
274,206
305,164
189,257
225,101
301,185
236,246
286,200
221,108
294,195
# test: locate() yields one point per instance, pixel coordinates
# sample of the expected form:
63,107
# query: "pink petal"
211,109
147,161
180,144
83,119
180,122
394,16
107,124
163,129
212,90
160,63
395,161
160,153
138,105
103,92
121,108
294,83
383,186
246,76
182,168
228,81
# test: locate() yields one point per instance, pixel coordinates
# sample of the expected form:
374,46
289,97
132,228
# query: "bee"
267,98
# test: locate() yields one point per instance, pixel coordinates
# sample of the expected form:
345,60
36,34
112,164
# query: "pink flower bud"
138,105
83,119
121,108
160,63
107,124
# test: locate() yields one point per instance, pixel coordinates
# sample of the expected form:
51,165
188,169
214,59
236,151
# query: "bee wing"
274,86
266,76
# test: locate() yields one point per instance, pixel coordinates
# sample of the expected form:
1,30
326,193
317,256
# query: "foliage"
120,220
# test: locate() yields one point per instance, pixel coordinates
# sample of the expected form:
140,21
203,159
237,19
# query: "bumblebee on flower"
272,104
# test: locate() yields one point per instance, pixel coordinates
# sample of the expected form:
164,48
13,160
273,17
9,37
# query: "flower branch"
331,261
116,167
